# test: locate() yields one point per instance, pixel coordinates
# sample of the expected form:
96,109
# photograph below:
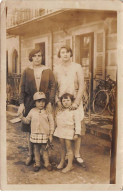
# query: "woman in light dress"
70,79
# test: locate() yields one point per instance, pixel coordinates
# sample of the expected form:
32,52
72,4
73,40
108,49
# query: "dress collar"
42,67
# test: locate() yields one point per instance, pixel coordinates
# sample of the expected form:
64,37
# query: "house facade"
92,35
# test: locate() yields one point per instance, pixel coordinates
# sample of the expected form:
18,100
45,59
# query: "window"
15,62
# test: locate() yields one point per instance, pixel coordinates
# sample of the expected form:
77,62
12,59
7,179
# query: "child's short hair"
66,95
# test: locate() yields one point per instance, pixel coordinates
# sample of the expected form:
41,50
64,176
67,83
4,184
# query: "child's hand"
59,105
49,107
51,138
73,106
75,137
20,116
21,109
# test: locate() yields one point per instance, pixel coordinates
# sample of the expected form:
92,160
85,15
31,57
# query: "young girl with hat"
42,128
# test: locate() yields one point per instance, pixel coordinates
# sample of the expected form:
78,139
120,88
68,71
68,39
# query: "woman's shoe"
80,161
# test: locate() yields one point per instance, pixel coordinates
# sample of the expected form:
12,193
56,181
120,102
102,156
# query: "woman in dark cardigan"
35,78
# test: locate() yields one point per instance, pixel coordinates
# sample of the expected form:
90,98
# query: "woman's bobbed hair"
68,50
34,51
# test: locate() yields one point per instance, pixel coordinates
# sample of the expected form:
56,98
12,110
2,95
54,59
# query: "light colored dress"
68,82
68,124
38,74
42,125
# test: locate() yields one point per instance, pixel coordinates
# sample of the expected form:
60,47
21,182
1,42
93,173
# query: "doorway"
15,62
41,46
87,58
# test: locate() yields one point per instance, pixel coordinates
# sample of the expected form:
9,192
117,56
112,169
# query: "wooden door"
86,58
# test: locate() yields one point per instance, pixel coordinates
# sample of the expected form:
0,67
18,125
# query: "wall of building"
111,47
53,42
28,43
11,45
71,37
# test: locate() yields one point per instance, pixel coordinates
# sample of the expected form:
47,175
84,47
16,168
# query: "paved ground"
95,151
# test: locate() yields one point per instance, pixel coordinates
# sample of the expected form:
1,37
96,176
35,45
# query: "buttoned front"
42,124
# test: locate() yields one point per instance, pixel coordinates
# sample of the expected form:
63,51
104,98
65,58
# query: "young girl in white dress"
68,129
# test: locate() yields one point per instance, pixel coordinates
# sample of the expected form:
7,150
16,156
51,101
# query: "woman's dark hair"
34,51
68,50
66,95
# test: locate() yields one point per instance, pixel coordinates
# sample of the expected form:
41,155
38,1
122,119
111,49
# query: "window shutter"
99,55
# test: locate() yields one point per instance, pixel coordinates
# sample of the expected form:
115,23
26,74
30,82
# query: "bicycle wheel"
111,104
100,101
85,100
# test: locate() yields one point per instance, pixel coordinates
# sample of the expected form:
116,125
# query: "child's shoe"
36,168
29,161
49,167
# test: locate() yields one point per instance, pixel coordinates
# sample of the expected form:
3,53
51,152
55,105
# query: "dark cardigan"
28,88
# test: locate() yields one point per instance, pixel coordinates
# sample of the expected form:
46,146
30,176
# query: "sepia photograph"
61,104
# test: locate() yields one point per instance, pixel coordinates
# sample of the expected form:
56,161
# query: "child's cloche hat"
39,95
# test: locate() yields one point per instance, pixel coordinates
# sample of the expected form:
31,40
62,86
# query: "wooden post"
52,49
89,112
19,54
114,147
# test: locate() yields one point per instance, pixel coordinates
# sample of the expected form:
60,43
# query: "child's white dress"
68,124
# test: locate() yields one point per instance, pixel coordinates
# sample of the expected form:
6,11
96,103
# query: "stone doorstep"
102,131
98,132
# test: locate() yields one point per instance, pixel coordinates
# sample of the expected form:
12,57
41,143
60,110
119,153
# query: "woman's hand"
49,107
59,104
74,106
21,116
51,138
21,109
75,137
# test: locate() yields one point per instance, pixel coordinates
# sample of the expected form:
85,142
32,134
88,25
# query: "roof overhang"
63,18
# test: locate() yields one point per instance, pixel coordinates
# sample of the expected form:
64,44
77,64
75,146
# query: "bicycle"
85,97
104,96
